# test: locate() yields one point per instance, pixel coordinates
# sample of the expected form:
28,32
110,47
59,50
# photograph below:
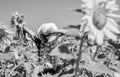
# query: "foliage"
97,61
95,57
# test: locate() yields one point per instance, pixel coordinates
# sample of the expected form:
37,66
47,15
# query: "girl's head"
49,30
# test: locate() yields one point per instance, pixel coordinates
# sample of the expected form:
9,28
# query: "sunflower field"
95,52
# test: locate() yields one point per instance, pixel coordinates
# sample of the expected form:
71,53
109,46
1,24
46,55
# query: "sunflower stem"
79,57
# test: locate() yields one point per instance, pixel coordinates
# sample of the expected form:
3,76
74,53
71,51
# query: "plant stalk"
79,57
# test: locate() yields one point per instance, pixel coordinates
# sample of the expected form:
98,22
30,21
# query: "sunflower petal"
112,27
112,6
113,15
99,38
88,3
112,21
110,35
111,3
86,17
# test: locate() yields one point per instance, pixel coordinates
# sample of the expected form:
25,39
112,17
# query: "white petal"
113,2
100,38
88,3
86,17
113,15
110,35
112,21
112,5
113,8
112,27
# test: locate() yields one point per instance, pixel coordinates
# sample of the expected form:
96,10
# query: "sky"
38,12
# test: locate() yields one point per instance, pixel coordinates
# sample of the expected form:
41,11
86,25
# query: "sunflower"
99,15
17,19
5,35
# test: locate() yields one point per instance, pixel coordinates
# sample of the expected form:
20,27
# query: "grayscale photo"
59,38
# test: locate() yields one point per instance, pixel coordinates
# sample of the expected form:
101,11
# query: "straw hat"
47,28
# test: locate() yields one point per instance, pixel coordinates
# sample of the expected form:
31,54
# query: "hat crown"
44,28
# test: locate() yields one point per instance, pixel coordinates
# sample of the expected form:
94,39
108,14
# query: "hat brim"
59,31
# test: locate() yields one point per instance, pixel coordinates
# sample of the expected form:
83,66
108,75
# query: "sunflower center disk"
99,18
19,20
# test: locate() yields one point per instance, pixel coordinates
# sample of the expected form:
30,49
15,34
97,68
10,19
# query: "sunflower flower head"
17,19
100,22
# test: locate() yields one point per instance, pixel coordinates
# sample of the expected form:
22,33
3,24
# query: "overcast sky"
41,11
38,12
